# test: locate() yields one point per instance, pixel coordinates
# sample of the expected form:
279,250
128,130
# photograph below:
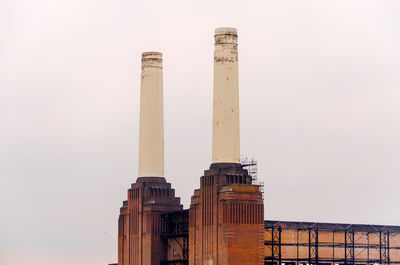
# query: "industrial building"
225,222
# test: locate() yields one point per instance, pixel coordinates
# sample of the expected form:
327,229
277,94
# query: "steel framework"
177,229
349,247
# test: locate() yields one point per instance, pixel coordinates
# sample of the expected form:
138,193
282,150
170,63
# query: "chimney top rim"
225,31
152,53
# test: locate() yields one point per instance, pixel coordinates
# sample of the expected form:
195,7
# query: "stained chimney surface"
226,130
151,134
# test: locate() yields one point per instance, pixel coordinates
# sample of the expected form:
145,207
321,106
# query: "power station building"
225,222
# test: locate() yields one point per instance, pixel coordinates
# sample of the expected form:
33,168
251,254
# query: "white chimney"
151,135
226,130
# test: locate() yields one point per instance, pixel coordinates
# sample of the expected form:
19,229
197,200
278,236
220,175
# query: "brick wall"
140,225
226,218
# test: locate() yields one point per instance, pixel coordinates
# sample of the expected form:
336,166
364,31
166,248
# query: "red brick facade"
226,218
140,225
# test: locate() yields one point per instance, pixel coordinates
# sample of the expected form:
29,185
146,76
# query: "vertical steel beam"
309,246
388,247
280,244
316,246
367,248
297,246
333,247
380,246
345,247
272,245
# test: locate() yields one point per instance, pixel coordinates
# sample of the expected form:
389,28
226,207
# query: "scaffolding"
352,251
250,164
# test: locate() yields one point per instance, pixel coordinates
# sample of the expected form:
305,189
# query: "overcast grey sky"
320,111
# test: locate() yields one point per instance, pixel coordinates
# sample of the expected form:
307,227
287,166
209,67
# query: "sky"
319,108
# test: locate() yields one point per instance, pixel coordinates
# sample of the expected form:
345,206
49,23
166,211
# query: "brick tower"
140,224
226,214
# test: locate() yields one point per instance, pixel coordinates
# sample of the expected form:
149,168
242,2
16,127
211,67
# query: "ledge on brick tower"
151,180
157,194
226,166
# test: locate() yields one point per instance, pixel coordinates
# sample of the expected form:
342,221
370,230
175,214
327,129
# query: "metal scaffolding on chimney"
251,165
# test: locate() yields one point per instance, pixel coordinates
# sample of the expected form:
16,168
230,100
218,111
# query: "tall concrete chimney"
151,135
141,220
226,130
